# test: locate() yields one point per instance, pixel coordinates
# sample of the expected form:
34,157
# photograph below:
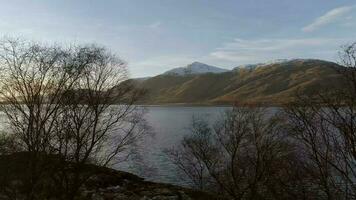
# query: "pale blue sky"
156,35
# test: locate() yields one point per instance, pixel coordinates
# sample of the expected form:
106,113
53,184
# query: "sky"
153,36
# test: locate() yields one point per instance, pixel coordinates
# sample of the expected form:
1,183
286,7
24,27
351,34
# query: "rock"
107,184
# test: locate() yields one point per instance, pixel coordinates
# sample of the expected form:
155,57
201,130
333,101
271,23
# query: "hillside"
195,68
270,84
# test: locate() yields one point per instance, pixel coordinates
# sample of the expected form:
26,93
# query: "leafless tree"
242,156
324,127
315,139
186,158
73,105
32,82
99,120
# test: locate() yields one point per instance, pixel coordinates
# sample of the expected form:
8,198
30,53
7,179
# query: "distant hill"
253,66
273,83
195,68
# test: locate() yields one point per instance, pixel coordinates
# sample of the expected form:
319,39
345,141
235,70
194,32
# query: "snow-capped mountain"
253,86
195,68
253,66
277,61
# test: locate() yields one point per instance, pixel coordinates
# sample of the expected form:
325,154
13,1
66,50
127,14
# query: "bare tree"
316,143
240,156
32,82
91,128
324,126
187,158
73,105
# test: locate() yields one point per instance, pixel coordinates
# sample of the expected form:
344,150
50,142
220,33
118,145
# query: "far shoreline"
212,105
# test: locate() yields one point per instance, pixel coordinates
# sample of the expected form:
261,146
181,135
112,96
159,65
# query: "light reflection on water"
169,125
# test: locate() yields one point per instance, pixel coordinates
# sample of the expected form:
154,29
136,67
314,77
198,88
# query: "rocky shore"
118,185
103,184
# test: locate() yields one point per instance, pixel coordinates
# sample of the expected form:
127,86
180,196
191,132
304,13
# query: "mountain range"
265,83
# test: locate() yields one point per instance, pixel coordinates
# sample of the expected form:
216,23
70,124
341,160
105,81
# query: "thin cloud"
159,64
155,25
330,17
242,51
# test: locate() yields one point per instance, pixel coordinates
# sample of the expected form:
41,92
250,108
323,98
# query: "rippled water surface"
169,125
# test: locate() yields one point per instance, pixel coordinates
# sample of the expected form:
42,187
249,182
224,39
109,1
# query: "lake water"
169,125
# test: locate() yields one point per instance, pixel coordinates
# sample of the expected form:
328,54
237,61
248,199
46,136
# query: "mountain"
253,66
195,68
274,83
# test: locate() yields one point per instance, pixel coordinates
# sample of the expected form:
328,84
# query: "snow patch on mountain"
254,66
195,68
